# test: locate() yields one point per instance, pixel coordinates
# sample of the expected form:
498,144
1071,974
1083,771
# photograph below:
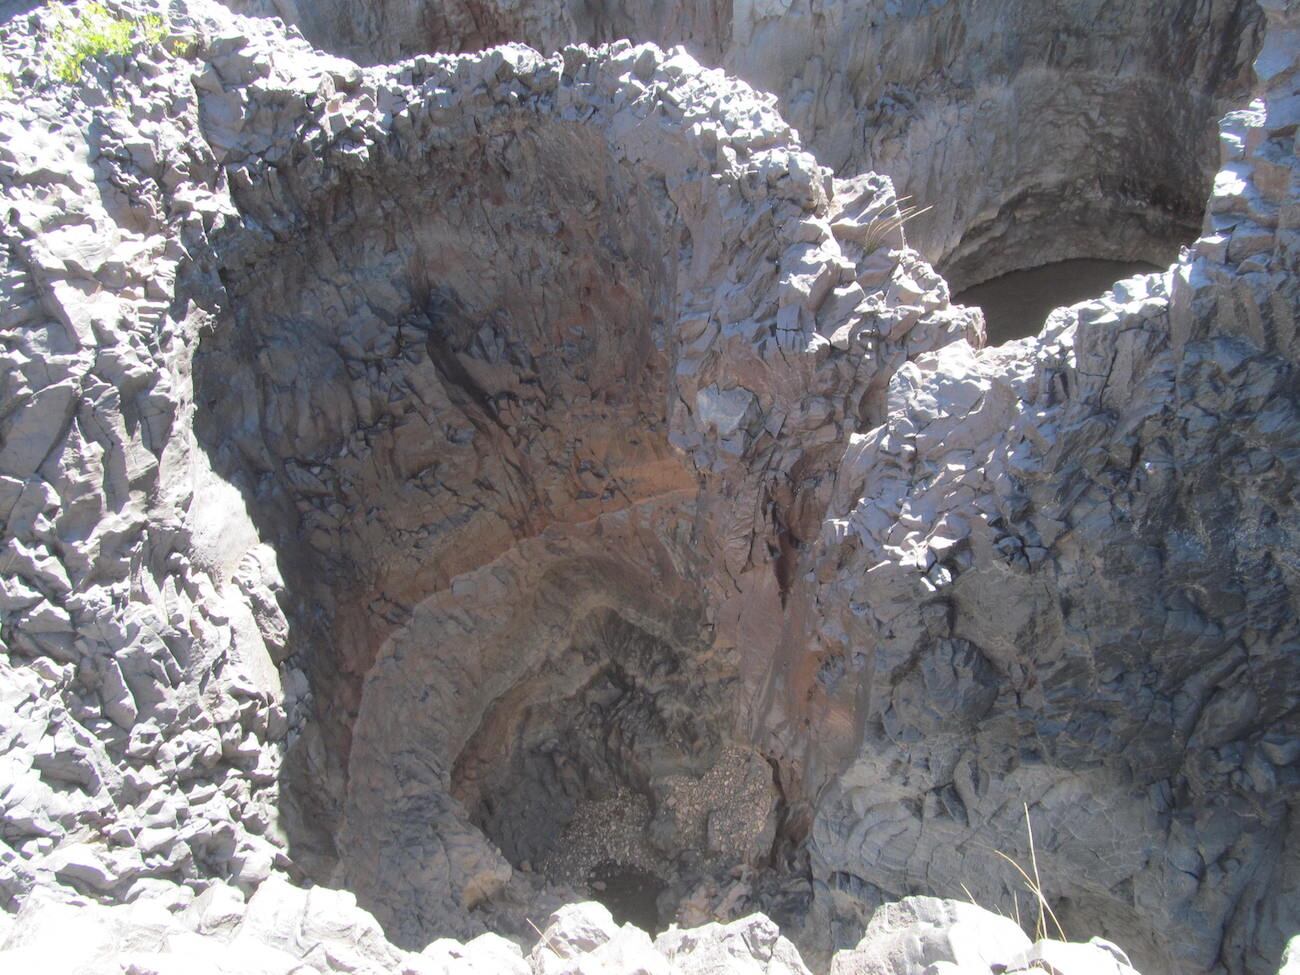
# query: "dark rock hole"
630,893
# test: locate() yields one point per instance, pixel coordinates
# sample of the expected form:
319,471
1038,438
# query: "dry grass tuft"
881,227
1035,886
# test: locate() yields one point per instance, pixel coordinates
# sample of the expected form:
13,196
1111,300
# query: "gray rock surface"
1091,538
945,937
1027,132
749,946
919,932
422,485
283,929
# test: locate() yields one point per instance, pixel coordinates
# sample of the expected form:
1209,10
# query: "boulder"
906,937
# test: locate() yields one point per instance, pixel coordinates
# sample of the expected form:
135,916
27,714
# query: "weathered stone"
463,481
750,945
1068,959
909,936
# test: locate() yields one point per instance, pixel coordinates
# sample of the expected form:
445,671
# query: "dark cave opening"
631,894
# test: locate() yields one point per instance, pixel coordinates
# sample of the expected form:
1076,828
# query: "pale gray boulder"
84,938
907,937
1291,958
928,936
486,953
583,939
1096,956
750,945
281,930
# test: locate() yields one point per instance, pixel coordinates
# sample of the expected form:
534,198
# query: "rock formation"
439,492
1028,132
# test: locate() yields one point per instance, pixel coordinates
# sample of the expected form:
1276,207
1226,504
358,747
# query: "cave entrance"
632,895
610,771
1016,304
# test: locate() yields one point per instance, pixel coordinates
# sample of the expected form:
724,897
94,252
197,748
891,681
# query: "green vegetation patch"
94,31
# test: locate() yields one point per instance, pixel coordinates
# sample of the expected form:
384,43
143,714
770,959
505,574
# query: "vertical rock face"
476,482
1027,133
1082,541
390,30
1032,132
508,388
457,367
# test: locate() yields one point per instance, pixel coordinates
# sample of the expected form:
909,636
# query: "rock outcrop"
439,492
1025,133
284,930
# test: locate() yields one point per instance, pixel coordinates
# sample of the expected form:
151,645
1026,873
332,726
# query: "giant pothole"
445,398
1016,304
1071,145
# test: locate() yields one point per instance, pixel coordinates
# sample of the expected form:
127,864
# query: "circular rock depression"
1034,134
1023,135
444,397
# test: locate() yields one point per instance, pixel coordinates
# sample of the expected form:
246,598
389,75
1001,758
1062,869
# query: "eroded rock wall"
1033,132
1026,133
390,30
600,415
363,426
390,408
1099,569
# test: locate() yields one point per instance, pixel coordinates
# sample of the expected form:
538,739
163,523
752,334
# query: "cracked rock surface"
1026,133
434,493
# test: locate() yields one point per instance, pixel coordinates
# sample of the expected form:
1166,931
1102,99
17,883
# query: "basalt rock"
1025,133
440,492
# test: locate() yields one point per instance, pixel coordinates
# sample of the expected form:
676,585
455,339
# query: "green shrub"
94,32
